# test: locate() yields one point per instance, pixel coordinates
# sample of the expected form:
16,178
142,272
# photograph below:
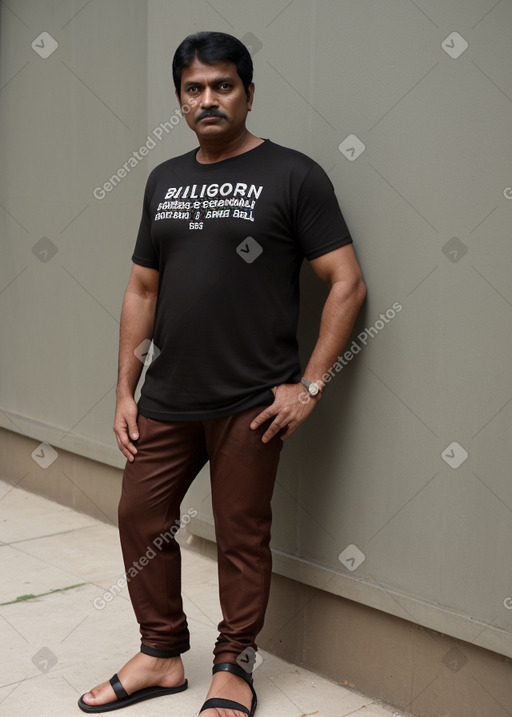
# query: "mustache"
211,112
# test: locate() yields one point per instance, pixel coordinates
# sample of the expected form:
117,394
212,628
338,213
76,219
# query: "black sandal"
220,703
124,699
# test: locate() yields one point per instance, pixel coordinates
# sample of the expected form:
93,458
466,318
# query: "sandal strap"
220,703
154,652
118,688
234,669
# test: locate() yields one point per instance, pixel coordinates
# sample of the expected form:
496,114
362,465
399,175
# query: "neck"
212,151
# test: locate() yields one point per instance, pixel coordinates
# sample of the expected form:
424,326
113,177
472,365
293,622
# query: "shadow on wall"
308,482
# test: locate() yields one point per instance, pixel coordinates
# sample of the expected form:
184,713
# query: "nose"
208,98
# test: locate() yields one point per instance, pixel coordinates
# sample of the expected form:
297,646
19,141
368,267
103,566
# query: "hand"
125,426
292,405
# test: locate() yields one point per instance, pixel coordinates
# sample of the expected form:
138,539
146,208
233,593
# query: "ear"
250,96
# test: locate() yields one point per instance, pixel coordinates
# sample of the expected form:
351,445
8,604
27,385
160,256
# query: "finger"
262,417
289,430
133,431
271,431
130,447
130,424
128,455
128,451
125,445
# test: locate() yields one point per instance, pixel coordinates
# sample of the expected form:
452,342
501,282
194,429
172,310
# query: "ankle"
157,664
163,663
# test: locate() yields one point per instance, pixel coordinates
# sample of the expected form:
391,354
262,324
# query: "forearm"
338,317
137,320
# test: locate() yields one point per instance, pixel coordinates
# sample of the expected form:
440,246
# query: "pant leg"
242,471
170,454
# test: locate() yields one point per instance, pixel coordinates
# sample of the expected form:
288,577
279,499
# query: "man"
214,283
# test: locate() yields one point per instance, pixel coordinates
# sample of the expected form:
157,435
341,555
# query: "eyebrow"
216,81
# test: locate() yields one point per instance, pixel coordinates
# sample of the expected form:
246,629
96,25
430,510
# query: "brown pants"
242,474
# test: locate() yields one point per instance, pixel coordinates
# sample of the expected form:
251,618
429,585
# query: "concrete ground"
67,624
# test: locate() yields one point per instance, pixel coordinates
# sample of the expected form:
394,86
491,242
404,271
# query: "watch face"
313,389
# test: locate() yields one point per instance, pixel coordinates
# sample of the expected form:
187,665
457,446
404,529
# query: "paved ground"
60,636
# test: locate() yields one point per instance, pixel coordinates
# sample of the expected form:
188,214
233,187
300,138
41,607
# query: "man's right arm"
137,320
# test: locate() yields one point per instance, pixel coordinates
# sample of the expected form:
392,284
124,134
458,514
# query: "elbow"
359,291
348,296
352,290
349,288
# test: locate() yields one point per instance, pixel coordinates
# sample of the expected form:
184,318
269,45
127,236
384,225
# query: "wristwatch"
312,388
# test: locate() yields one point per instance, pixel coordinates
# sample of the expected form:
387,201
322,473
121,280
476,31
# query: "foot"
230,687
140,672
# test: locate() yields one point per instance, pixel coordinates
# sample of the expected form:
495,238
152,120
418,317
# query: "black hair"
211,48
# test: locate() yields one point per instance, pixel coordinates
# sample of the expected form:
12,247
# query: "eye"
224,86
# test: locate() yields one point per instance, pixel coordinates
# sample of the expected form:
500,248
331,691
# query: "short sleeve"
145,252
320,226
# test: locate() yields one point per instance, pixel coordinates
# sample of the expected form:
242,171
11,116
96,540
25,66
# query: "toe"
89,699
99,695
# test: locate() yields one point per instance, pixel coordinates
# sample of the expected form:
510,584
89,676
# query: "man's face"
217,100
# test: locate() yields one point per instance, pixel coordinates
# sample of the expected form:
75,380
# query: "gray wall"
397,491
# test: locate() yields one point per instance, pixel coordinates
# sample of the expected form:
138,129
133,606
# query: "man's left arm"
340,270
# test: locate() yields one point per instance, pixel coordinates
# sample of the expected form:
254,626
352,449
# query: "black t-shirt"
228,240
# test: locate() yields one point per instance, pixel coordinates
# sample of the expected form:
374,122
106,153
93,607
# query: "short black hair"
211,48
